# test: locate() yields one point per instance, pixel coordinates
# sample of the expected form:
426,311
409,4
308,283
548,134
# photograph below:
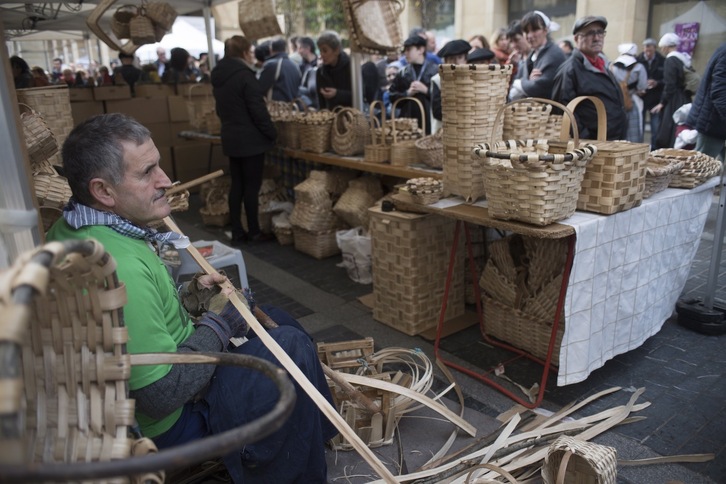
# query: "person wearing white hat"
674,92
627,70
542,62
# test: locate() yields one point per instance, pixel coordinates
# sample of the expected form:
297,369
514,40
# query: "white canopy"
184,35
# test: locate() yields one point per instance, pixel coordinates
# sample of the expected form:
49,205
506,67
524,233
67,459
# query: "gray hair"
94,150
330,39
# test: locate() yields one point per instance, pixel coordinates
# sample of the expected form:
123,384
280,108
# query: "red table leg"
546,363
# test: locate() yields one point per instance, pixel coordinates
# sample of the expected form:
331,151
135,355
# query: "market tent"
184,35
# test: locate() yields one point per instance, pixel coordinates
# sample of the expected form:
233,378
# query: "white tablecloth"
628,272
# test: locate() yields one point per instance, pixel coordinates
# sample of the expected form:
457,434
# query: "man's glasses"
594,33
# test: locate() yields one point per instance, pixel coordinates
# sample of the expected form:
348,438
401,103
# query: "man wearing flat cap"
585,73
414,81
454,52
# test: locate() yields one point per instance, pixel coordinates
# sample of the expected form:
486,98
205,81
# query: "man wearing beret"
414,81
454,52
585,73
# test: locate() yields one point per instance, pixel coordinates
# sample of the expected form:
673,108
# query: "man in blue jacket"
708,112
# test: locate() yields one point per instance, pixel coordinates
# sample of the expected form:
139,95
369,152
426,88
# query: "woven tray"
533,181
697,167
659,172
615,178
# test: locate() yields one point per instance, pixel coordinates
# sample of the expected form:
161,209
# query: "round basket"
403,151
534,181
697,167
39,139
216,208
377,151
430,150
659,173
121,21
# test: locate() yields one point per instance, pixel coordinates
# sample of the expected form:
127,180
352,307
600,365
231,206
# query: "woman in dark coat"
247,133
333,79
674,92
21,73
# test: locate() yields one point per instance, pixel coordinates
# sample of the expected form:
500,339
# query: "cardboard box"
192,161
193,89
160,133
154,90
178,111
109,93
166,161
80,94
144,110
81,111
176,128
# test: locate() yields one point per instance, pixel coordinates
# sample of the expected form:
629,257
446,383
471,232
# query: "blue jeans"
295,452
713,147
654,126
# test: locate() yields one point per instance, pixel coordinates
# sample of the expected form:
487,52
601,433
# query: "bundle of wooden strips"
697,167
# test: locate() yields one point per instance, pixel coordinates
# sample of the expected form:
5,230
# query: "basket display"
377,151
39,139
572,460
374,25
430,150
314,131
615,178
659,172
200,107
697,167
349,132
319,245
526,120
403,147
258,19
534,181
470,98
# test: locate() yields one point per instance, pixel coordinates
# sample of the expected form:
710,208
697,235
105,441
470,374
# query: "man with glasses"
585,73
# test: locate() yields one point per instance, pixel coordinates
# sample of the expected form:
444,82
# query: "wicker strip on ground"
470,98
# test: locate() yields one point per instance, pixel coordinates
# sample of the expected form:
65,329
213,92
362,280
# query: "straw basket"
216,207
313,218
579,462
316,244
526,120
258,19
350,132
314,131
162,14
282,228
403,148
374,25
352,206
141,29
377,151
286,119
52,190
659,172
425,190
471,95
430,149
534,181
553,126
199,107
121,21
39,139
697,167
615,178
54,104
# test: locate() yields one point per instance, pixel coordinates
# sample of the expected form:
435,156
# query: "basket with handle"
162,14
377,151
659,172
615,178
403,148
573,460
314,131
198,107
141,29
121,21
349,132
374,25
66,407
39,139
286,123
534,181
258,19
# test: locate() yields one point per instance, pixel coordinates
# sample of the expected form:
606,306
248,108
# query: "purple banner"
688,32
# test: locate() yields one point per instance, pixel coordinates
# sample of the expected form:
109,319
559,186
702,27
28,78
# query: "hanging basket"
349,132
258,19
374,25
141,29
39,139
377,151
534,181
52,190
121,21
403,148
199,109
162,14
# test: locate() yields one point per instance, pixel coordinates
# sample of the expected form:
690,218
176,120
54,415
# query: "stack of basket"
521,282
214,193
313,221
353,204
659,172
697,167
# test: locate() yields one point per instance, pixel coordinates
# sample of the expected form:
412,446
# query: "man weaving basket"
118,188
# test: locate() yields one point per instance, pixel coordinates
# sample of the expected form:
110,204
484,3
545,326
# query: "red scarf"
597,62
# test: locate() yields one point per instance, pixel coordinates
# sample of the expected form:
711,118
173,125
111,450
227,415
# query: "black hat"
478,55
590,19
415,40
124,55
453,48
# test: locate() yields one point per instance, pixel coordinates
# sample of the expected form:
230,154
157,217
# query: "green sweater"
155,319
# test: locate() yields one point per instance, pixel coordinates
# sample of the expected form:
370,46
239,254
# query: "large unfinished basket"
258,19
374,25
65,404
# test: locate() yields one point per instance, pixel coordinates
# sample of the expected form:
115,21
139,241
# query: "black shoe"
239,239
260,238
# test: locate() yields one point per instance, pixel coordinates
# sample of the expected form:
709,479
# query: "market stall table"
628,270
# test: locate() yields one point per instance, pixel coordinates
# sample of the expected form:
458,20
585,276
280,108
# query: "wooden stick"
193,183
291,367
350,390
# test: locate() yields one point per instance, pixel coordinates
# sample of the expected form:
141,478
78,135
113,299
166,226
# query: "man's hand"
328,92
418,87
203,291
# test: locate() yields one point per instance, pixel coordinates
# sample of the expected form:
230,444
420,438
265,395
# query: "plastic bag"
355,244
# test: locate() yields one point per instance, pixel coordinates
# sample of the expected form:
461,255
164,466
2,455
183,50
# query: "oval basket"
349,132
697,167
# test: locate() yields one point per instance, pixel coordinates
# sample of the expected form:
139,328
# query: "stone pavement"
683,371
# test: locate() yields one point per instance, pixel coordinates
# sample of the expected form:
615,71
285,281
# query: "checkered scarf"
78,215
